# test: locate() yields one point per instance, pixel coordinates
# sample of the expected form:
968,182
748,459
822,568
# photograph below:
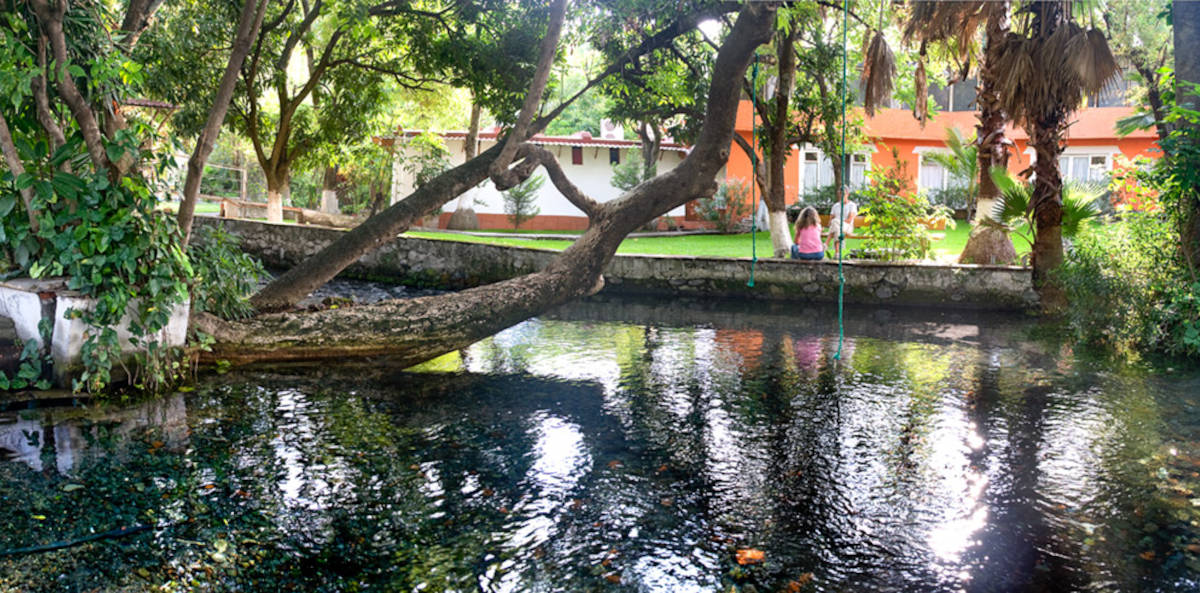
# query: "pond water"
633,446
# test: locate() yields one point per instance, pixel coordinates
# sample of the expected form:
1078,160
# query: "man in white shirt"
841,223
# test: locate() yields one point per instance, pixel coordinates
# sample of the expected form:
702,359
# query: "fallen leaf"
750,556
667,501
1147,555
613,577
614,464
72,487
798,584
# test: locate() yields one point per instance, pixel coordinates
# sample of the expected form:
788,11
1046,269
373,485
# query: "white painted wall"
593,177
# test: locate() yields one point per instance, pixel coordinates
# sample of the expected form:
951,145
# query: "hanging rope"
753,173
842,190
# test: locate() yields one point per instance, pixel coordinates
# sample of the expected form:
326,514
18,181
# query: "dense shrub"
225,276
1130,288
897,217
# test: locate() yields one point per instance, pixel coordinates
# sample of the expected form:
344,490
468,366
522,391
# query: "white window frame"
1108,152
804,150
921,151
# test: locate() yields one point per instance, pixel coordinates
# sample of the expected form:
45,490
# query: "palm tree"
956,24
962,162
1047,68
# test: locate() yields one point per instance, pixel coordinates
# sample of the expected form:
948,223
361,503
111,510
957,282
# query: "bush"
897,218
954,198
224,275
520,201
728,207
1129,287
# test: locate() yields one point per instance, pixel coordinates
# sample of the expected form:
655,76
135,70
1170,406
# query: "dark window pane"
614,156
576,155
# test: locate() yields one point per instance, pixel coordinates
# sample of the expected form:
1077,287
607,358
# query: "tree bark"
248,25
989,134
1045,136
418,329
1186,23
17,168
776,146
651,137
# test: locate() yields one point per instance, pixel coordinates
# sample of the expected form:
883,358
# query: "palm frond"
1092,60
1015,197
878,73
1079,204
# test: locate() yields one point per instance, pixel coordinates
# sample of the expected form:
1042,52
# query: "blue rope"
753,174
845,177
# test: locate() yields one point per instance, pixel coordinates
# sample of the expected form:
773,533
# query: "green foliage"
627,175
225,276
898,219
962,164
97,228
1130,289
728,207
1013,210
520,201
424,157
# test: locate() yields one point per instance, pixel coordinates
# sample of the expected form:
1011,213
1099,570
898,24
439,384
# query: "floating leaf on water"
750,556
39,517
145,574
221,545
72,487
797,585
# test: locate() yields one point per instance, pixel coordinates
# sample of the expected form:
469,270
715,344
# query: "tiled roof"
581,139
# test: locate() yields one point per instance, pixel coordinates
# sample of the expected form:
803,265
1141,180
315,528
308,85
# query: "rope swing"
753,173
842,190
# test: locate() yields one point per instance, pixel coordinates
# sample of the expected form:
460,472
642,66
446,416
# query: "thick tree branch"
50,20
248,25
296,34
17,169
137,18
41,99
540,156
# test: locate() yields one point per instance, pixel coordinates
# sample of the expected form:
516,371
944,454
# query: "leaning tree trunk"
1045,136
651,138
414,330
991,141
248,25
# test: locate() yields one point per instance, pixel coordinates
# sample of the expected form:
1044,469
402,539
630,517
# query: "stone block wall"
455,265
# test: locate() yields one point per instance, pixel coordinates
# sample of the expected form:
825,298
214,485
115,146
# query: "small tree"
519,202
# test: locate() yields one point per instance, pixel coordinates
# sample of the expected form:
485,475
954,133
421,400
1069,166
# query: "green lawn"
202,207
739,245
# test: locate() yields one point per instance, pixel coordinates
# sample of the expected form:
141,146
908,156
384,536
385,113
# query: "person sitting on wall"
841,220
807,244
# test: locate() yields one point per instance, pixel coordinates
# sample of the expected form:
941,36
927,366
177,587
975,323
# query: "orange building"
1091,147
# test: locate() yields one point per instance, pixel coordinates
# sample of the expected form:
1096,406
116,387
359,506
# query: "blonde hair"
808,217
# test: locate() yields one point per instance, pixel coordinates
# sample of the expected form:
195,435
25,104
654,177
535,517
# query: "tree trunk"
651,138
464,218
418,329
1186,23
776,147
329,183
1045,137
990,139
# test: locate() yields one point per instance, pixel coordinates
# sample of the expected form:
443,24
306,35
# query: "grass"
739,245
202,207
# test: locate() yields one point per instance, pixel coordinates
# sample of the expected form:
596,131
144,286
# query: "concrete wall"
452,265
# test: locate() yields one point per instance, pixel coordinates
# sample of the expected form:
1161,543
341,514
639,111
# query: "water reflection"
608,449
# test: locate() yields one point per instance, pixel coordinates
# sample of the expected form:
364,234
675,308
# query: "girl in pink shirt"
808,236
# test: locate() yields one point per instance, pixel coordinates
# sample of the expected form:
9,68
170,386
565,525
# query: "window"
934,176
817,170
576,155
614,156
1084,167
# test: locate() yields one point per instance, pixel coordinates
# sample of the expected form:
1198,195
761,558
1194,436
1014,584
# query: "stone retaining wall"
454,265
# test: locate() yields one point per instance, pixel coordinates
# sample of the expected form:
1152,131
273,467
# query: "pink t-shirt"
808,239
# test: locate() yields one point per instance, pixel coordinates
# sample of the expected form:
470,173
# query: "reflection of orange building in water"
746,343
1092,144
